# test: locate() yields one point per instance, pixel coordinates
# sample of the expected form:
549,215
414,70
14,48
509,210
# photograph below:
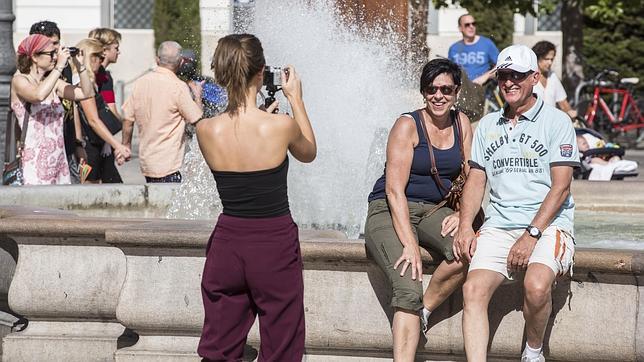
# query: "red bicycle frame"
617,122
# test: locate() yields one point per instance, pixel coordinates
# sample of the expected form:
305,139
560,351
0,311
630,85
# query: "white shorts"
555,248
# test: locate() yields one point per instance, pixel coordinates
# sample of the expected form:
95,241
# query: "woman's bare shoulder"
211,123
20,79
466,125
405,124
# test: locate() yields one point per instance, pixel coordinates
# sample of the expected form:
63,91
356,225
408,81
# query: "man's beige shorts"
555,249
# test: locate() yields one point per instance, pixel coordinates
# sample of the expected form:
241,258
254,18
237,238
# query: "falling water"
355,85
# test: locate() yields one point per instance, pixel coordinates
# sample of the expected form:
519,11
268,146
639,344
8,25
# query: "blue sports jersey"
475,58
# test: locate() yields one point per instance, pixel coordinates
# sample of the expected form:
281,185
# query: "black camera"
272,77
73,51
273,83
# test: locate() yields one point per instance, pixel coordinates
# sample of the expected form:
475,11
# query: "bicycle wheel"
582,105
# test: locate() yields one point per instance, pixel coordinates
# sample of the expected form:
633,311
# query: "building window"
550,22
133,14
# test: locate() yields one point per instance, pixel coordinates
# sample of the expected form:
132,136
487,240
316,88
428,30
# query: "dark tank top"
254,194
421,185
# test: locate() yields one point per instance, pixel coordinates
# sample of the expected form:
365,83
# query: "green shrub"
616,43
494,22
178,20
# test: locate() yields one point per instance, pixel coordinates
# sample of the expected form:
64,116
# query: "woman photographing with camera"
426,151
253,262
103,149
36,92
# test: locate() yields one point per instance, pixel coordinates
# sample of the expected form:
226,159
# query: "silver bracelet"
82,69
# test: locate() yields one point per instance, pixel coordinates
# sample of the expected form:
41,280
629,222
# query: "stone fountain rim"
151,236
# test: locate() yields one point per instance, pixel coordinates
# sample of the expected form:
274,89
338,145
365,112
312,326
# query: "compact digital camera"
273,83
273,77
73,51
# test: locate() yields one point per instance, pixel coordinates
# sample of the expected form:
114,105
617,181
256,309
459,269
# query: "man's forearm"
550,206
559,190
472,196
128,127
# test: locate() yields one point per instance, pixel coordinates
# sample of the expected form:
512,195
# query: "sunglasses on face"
51,53
513,76
467,25
446,90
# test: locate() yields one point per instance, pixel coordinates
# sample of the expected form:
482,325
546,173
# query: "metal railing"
119,87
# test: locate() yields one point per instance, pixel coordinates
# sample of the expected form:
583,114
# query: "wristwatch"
534,231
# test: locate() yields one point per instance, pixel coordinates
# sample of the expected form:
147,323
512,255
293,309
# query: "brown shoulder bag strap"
459,130
25,125
434,170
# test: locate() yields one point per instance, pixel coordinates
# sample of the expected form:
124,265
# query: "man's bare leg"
446,278
477,292
406,331
537,304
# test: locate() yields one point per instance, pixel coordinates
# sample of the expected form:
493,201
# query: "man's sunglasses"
512,75
445,89
467,25
51,53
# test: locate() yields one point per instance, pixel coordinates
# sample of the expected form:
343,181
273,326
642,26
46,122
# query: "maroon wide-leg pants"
253,267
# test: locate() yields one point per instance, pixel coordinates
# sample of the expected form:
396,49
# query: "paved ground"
130,171
636,155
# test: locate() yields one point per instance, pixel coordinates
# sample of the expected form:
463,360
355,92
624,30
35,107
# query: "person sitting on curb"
527,151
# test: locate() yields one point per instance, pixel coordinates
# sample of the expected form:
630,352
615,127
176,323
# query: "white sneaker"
525,358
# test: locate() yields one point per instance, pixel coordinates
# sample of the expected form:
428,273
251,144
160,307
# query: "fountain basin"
152,287
153,200
608,214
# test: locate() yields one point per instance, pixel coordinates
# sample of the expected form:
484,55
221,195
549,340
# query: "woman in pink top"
36,89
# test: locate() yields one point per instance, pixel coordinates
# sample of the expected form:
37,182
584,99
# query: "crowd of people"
429,195
526,151
64,103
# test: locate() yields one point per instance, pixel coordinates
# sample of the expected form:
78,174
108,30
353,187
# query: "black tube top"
254,194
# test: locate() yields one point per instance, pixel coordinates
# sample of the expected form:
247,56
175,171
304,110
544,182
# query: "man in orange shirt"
161,104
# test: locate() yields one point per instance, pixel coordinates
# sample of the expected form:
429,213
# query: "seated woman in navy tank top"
402,216
253,263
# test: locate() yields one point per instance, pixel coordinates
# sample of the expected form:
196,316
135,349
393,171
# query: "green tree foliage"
614,38
177,20
516,6
497,23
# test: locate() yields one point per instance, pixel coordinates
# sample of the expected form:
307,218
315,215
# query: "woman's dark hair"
436,67
188,68
46,28
23,62
542,48
238,58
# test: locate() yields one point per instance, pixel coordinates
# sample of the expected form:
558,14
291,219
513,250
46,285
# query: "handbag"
108,118
453,196
12,169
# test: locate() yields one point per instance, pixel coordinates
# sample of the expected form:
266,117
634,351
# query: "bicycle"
493,99
611,107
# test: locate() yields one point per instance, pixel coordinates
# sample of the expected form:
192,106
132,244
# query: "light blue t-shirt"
517,161
475,58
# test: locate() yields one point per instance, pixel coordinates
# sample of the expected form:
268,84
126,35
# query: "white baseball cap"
517,57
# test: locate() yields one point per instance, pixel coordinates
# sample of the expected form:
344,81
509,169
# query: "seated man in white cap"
527,152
